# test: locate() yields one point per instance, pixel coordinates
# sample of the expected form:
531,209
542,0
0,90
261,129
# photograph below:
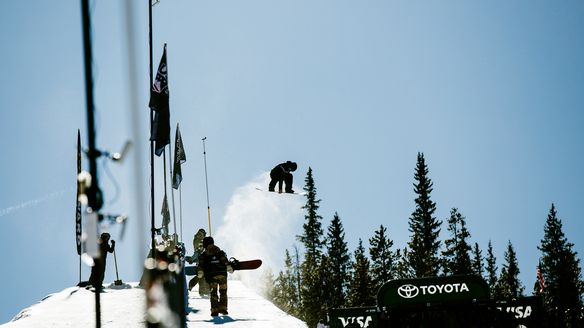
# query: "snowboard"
191,270
244,265
285,193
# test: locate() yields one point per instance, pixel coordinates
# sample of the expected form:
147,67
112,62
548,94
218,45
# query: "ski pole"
207,186
118,281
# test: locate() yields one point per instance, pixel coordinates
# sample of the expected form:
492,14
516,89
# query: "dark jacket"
213,262
283,169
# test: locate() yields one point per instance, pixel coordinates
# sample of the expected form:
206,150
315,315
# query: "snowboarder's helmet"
208,241
292,165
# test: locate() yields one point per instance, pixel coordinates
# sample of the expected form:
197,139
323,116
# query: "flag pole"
152,223
93,194
172,192
180,211
207,187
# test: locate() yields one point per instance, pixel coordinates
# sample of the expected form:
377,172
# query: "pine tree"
403,269
269,283
361,286
561,270
508,285
339,261
311,291
285,292
425,228
296,272
491,270
383,262
478,267
456,257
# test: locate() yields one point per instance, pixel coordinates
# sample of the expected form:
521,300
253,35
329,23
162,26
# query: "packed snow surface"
125,307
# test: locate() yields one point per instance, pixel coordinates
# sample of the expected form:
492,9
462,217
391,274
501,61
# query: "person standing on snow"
281,173
198,249
98,269
214,265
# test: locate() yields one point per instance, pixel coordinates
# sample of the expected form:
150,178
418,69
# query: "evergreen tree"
285,292
269,283
508,285
403,269
478,267
425,228
456,257
561,270
296,272
491,270
383,262
361,286
311,291
339,262
312,227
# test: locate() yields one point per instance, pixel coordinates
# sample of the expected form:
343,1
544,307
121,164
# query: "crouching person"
214,265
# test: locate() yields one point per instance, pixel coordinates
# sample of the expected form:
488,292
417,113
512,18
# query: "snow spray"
260,225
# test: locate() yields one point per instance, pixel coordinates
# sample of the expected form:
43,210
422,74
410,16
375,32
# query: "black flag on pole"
160,105
165,216
78,206
179,158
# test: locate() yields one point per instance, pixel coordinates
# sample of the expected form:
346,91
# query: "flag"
78,206
540,278
179,158
160,132
165,216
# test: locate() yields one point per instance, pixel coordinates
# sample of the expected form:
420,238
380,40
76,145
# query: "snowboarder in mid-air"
214,265
281,173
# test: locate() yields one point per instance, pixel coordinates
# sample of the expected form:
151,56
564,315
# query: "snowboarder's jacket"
213,262
283,168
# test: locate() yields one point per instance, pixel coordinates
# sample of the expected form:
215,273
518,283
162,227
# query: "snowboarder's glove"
200,274
229,268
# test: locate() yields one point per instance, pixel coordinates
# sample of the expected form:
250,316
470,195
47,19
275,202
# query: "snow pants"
97,274
218,286
279,177
203,286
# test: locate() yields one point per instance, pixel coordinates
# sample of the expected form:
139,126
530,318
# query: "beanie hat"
208,241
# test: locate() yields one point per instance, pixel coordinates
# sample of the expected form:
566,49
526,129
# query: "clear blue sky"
491,92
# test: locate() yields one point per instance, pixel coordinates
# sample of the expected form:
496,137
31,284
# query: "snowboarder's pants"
218,286
279,177
203,286
97,274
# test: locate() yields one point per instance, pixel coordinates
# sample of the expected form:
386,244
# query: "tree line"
326,275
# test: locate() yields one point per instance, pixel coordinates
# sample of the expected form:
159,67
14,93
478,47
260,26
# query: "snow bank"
124,308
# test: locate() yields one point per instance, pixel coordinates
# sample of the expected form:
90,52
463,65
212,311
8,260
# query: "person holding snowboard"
281,173
98,269
213,266
198,249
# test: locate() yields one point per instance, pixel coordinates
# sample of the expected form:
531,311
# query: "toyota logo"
408,291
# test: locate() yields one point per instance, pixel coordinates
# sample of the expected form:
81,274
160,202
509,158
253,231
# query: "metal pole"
172,191
152,222
180,210
94,197
118,281
207,187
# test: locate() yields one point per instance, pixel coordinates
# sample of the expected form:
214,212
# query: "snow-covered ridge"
125,308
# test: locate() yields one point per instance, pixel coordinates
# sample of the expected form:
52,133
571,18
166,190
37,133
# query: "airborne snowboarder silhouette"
281,173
